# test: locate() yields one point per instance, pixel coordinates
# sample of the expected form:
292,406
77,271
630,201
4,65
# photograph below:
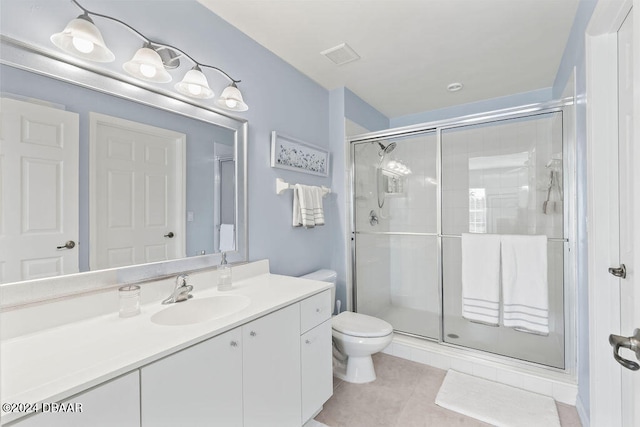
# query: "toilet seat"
360,325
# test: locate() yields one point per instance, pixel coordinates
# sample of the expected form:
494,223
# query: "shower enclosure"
416,190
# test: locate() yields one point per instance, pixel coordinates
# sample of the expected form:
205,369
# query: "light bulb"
194,89
231,103
83,45
148,70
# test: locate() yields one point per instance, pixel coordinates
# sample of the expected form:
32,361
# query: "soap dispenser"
224,274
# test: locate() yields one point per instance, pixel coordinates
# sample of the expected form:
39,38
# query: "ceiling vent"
341,54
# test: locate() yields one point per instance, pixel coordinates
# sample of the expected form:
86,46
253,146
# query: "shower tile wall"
502,170
373,251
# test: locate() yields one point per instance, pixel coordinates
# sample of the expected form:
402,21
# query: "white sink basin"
198,310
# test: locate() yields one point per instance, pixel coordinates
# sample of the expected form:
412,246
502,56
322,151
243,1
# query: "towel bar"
282,186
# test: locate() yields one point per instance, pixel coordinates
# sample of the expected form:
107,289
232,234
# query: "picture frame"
292,154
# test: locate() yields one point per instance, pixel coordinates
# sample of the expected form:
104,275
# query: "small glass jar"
129,300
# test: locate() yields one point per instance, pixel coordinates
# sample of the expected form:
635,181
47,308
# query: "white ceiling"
412,49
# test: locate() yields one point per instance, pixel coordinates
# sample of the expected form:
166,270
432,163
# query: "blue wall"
358,111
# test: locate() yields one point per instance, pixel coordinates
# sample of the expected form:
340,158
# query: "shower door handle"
632,343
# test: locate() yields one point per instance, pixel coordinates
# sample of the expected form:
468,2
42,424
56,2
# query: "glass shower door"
395,224
504,178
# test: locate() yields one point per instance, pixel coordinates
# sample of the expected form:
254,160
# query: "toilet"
355,338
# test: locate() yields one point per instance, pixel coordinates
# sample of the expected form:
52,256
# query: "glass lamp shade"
147,65
195,85
82,38
231,99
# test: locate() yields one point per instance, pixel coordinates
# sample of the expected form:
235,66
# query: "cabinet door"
317,369
114,403
271,369
198,386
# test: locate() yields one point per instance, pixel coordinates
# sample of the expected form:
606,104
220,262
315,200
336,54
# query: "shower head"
386,150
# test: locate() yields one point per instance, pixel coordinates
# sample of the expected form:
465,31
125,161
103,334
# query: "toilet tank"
329,276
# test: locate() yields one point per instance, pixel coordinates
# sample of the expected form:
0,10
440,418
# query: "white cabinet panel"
317,369
115,403
271,369
201,385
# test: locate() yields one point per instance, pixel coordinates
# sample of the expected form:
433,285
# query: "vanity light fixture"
82,38
231,99
147,65
195,85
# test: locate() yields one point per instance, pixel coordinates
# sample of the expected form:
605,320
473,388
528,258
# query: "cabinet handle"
253,333
234,343
318,310
308,341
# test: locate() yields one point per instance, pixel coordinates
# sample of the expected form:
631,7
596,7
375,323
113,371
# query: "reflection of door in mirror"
227,168
140,169
38,191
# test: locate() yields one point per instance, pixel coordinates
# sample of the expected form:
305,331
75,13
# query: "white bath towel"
524,283
481,278
227,238
307,206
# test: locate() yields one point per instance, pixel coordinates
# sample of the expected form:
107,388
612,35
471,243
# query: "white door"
629,186
137,204
614,208
38,191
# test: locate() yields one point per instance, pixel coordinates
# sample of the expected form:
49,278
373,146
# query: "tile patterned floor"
403,395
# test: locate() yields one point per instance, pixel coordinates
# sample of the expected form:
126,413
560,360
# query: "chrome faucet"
181,291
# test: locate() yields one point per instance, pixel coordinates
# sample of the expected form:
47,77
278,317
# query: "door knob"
69,245
169,235
632,343
619,271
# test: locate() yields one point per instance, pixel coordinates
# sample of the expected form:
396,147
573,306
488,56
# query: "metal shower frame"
566,107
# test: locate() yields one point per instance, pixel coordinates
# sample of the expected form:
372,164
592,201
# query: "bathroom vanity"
266,364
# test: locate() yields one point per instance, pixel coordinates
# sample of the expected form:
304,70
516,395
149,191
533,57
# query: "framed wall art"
293,154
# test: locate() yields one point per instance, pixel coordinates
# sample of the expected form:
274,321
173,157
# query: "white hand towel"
524,283
307,206
481,278
227,238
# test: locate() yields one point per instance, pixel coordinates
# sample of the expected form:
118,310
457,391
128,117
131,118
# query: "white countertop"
56,363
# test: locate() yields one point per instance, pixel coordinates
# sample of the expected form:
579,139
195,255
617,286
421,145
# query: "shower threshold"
543,350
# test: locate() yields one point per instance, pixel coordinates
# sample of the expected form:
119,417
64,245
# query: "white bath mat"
314,423
494,403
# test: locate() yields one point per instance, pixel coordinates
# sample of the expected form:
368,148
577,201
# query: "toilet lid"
360,325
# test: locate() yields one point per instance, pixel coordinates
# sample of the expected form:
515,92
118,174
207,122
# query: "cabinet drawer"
315,310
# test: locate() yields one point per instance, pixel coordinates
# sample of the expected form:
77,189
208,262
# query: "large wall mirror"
97,172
